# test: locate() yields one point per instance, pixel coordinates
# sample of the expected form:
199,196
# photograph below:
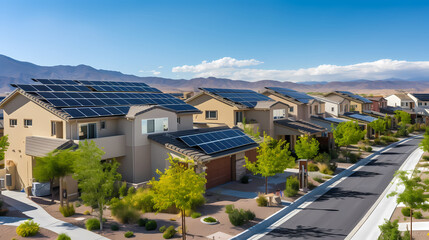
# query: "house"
119,117
400,100
357,103
378,102
421,103
231,106
301,105
363,120
335,105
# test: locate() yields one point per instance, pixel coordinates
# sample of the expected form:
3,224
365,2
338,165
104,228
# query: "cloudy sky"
297,40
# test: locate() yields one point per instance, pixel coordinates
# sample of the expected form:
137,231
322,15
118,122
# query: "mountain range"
14,71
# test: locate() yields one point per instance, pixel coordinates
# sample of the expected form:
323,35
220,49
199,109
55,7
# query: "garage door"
218,172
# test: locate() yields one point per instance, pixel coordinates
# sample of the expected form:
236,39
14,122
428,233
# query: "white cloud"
226,62
381,69
160,67
153,72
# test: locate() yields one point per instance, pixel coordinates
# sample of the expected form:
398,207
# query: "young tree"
178,186
389,231
379,126
405,118
96,179
413,195
306,147
4,145
273,157
348,133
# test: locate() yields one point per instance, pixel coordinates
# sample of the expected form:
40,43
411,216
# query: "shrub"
322,157
63,236
197,201
131,191
210,219
123,190
411,129
229,208
249,215
142,222
77,204
150,225
129,234
292,186
426,158
238,217
334,154
389,230
318,179
312,167
124,212
326,169
261,200
353,158
92,224
417,215
405,211
368,149
196,215
244,179
162,228
67,210
27,228
389,139
114,227
143,200
169,232
402,132
86,212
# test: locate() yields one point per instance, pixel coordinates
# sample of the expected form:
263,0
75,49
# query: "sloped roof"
301,126
351,96
241,98
291,95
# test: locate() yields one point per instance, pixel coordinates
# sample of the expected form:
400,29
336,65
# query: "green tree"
413,195
273,157
56,164
96,179
348,133
379,126
424,144
4,145
178,186
306,147
404,117
389,231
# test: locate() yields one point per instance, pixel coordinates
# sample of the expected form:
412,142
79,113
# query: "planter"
209,223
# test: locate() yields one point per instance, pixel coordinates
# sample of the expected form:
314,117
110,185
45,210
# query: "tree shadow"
305,233
380,163
364,174
338,193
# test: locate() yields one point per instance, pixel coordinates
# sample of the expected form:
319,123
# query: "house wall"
186,122
300,111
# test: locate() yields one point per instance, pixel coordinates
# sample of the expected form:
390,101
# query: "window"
154,125
53,128
291,109
420,103
13,122
346,108
211,114
102,124
178,120
28,122
311,110
406,104
332,109
316,109
279,113
87,131
238,117
341,107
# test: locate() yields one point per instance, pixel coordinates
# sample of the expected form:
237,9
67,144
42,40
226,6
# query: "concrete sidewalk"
20,201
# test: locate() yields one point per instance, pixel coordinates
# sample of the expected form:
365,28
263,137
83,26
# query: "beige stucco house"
357,103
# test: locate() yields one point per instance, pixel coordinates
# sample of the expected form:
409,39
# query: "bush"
405,211
92,224
236,218
389,139
244,179
162,228
326,169
143,200
410,129
389,231
402,132
123,190
123,212
114,227
229,208
312,167
318,179
417,215
196,215
368,149
27,228
129,234
77,204
63,236
353,158
261,200
322,158
249,215
150,225
131,191
197,201
169,232
142,222
426,158
86,212
67,210
292,186
210,219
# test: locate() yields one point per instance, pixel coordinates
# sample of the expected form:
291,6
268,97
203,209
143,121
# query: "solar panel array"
245,97
82,99
421,96
336,120
355,96
298,96
362,117
213,142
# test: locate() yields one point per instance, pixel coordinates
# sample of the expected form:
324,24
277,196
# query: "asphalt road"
337,212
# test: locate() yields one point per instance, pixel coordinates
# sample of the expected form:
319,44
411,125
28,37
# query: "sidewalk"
384,207
20,201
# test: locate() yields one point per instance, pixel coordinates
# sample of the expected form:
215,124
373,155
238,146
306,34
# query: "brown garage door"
218,172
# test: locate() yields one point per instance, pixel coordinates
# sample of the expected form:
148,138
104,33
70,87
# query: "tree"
178,186
96,179
413,195
424,144
56,164
4,145
348,133
405,118
306,147
273,157
379,126
389,231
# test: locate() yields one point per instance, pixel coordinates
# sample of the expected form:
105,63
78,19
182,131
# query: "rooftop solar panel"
355,96
245,97
337,120
298,96
421,96
365,118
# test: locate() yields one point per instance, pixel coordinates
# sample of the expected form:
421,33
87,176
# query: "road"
336,213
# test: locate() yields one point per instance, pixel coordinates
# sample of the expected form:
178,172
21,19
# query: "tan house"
357,103
118,116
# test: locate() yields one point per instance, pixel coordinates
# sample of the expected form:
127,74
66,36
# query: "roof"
334,99
402,96
40,146
267,104
377,114
421,96
73,99
376,98
291,95
301,126
391,110
359,117
352,96
241,98
173,141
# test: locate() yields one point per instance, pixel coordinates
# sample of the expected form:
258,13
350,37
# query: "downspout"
133,149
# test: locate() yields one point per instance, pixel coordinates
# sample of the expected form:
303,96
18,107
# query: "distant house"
400,100
378,102
363,120
421,102
357,103
335,105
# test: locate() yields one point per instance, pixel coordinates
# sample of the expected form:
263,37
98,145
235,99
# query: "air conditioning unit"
41,189
2,183
8,180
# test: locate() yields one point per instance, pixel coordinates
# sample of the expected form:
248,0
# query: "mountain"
14,71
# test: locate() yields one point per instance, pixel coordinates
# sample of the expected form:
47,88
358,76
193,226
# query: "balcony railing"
113,146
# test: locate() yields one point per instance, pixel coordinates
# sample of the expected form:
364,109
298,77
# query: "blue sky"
147,38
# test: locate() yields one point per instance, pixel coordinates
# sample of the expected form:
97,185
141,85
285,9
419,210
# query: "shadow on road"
364,174
305,233
338,193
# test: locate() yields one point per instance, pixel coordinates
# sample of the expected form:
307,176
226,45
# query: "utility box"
41,189
303,175
8,178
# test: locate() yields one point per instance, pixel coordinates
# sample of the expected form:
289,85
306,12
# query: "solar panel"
280,89
298,96
96,112
421,96
196,139
362,117
245,97
51,88
355,96
225,90
337,120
